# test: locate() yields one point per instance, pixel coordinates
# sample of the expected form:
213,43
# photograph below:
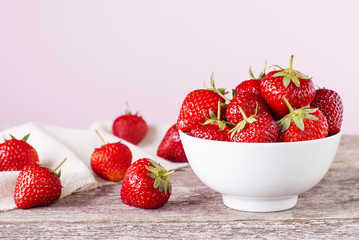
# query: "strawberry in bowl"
280,142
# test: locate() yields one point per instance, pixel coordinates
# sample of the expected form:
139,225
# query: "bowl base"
251,204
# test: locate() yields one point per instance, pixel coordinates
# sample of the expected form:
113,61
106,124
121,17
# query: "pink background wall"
70,63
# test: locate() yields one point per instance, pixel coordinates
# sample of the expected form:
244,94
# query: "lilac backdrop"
70,63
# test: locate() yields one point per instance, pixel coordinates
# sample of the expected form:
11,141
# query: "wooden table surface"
330,210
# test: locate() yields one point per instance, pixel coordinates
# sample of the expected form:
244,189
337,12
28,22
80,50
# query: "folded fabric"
53,144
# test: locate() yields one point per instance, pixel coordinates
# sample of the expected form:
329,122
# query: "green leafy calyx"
290,75
215,119
161,176
25,138
241,125
296,116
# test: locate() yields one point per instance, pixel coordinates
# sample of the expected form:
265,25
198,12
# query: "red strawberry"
213,128
253,84
331,105
15,154
297,88
256,128
248,102
197,102
130,127
306,123
146,185
171,147
210,132
111,160
37,186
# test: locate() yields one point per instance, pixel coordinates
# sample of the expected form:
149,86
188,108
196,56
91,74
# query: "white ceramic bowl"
260,177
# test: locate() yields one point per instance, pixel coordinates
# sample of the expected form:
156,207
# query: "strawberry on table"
130,127
171,147
213,128
146,185
306,123
37,186
255,128
111,160
296,87
250,103
253,84
15,154
331,105
195,103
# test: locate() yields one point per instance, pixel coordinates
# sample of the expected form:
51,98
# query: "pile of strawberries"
36,185
146,184
280,106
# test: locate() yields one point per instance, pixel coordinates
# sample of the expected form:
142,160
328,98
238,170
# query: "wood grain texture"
330,210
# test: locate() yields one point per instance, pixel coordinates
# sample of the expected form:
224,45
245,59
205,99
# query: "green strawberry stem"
98,134
224,97
54,171
128,109
288,105
168,173
291,65
243,113
60,165
219,111
263,73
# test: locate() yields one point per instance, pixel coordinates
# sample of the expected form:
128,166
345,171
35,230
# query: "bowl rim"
338,134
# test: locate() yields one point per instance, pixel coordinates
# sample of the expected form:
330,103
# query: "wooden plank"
309,229
328,211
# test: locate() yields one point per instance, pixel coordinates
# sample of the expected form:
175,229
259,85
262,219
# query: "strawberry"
213,128
306,123
296,87
15,154
37,186
248,102
130,127
195,103
253,84
331,105
146,185
111,160
171,147
210,132
255,128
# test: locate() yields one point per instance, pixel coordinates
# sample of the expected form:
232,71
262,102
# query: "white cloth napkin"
53,144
